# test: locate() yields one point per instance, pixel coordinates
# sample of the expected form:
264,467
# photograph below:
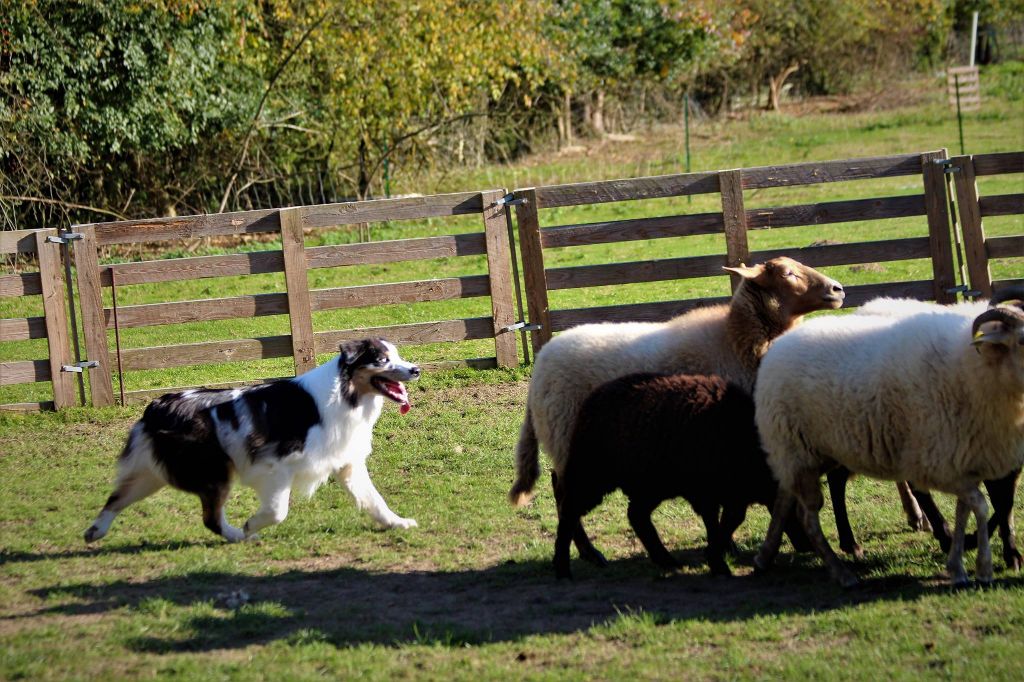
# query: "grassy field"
470,593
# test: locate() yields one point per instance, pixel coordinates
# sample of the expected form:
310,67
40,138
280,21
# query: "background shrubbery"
132,108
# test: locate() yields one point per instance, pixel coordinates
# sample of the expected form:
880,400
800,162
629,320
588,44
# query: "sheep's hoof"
1013,560
721,571
93,534
761,564
983,583
846,579
854,550
919,523
960,583
593,556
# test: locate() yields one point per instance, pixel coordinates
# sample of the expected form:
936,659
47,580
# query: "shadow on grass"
15,557
348,606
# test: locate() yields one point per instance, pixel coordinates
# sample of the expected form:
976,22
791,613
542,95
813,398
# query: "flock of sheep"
740,404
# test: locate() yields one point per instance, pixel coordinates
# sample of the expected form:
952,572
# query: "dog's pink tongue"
404,407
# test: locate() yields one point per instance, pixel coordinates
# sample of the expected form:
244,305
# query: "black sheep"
656,437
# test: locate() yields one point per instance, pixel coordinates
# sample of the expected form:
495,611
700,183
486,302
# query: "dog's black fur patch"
282,413
184,434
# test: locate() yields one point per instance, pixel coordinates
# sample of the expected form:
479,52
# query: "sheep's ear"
994,332
745,271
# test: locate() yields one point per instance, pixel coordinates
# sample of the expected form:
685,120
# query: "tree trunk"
363,190
566,118
599,113
775,84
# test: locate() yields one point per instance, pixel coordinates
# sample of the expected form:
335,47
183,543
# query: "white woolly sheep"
1001,491
935,398
726,340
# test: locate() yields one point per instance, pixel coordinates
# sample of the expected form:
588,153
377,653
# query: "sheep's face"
999,337
798,288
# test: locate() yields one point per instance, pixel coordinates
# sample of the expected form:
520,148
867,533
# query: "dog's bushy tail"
527,464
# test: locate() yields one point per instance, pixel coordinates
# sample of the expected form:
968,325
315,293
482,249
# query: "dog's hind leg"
130,488
357,479
214,518
274,493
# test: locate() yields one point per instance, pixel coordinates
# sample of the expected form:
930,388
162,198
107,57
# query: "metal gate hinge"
65,238
80,366
522,325
510,200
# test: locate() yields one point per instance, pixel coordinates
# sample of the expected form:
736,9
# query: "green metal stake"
959,115
387,173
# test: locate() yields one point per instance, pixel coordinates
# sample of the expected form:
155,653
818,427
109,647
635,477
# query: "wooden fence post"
300,313
499,271
533,266
734,216
58,335
94,321
939,239
969,208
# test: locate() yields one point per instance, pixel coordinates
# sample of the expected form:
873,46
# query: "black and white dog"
277,438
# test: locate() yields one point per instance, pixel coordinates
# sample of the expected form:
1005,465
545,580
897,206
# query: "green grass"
468,594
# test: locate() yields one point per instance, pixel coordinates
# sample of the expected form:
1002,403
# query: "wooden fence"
938,241
972,208
733,222
297,301
53,325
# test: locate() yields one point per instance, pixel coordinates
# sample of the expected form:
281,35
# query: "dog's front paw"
94,533
403,523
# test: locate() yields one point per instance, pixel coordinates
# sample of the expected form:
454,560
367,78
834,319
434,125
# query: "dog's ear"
349,353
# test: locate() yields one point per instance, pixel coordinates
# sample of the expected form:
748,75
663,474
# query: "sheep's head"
998,333
798,288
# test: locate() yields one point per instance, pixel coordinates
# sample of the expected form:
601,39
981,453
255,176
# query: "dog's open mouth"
393,390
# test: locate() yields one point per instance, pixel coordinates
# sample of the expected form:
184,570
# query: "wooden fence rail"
734,222
297,300
939,178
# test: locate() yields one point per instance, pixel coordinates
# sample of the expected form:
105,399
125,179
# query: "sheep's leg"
732,516
1001,492
717,541
579,535
940,529
955,562
639,513
782,511
808,492
837,479
915,519
983,563
567,523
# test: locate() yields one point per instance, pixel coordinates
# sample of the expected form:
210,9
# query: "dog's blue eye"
381,362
